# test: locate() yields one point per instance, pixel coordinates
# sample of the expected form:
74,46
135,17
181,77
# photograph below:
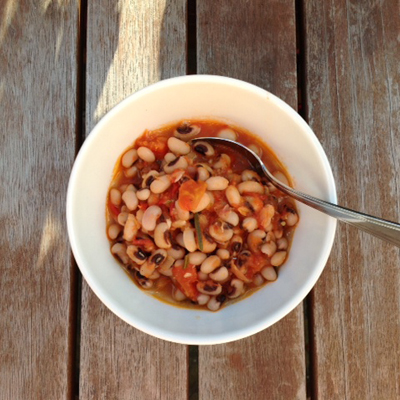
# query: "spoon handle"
381,228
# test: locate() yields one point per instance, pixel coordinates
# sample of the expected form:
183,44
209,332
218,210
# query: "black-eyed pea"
136,254
197,257
139,216
187,131
122,217
129,158
204,148
282,243
223,254
189,240
228,133
208,244
228,215
131,172
143,194
178,163
269,273
147,268
210,264
233,196
179,224
130,199
162,236
115,197
202,173
160,184
203,204
281,177
131,228
269,248
265,216
270,237
119,250
209,287
166,267
256,149
148,178
250,224
177,294
176,252
203,299
250,187
181,213
278,258
223,163
255,239
150,217
169,157
113,231
221,231
220,274
236,245
236,288
178,146
179,239
217,183
146,154
292,218
155,275
144,282
250,175
213,304
202,276
258,280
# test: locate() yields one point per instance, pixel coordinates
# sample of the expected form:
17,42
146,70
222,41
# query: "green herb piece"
198,231
186,261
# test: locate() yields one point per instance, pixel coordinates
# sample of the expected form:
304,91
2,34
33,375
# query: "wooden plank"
38,74
254,41
129,46
353,106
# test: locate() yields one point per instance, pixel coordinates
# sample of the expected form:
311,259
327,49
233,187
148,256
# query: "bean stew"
192,224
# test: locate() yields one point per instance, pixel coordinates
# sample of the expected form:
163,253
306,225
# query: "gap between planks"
80,135
302,109
191,68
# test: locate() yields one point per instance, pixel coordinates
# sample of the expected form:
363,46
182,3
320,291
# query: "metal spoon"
381,228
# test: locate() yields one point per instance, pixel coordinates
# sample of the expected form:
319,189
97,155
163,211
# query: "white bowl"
189,97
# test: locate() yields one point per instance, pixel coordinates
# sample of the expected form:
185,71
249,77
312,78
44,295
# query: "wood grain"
129,45
256,42
353,106
38,74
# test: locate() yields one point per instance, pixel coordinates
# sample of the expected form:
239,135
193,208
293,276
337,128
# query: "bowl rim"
166,334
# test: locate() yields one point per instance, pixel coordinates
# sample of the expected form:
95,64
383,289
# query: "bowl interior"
189,97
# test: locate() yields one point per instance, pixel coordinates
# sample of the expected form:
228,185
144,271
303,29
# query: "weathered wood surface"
352,101
352,64
38,50
256,42
130,44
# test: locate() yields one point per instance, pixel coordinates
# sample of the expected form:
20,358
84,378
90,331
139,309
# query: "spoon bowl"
383,229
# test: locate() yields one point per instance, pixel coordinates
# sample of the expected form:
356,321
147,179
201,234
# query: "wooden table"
65,63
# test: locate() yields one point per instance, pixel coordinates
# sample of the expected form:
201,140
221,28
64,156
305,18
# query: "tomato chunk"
187,279
190,194
155,142
256,262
